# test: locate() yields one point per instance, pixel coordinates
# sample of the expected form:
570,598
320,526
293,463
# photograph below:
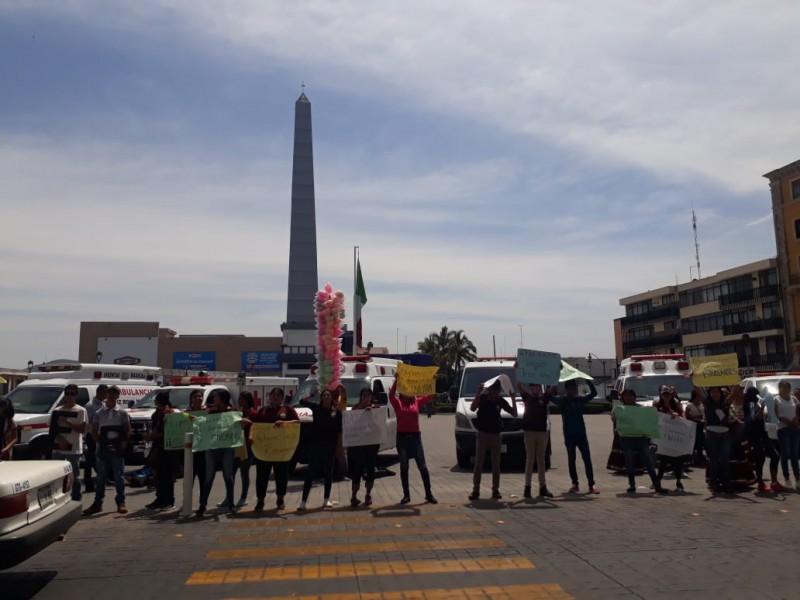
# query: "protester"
633,445
8,428
160,459
325,432
668,404
218,458
695,412
278,413
69,431
786,407
536,432
760,444
409,439
575,438
741,464
488,403
770,416
361,459
242,464
90,456
718,441
111,429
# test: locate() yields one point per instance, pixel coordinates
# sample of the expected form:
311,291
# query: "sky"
511,169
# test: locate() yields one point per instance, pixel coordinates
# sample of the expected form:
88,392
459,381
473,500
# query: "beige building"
738,310
147,343
784,184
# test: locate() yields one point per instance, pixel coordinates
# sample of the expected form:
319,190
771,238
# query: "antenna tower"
696,244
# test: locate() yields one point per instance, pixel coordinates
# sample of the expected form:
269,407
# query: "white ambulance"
35,398
357,372
646,373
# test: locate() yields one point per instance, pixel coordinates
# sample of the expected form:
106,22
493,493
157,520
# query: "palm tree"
450,350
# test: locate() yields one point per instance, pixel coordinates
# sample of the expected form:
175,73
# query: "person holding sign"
218,458
718,441
409,439
668,404
198,458
242,464
575,438
633,443
756,436
68,441
536,429
160,458
278,413
695,412
361,459
8,428
488,403
325,433
786,407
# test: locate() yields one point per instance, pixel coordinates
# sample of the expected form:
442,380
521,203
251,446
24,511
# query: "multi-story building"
738,310
784,185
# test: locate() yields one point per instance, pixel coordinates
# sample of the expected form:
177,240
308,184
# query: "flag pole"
355,300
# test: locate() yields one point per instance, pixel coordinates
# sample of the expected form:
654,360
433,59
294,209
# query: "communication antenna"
696,244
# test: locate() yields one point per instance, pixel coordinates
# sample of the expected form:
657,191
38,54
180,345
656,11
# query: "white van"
357,372
35,398
646,373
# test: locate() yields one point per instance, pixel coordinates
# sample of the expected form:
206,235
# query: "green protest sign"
176,426
219,430
637,420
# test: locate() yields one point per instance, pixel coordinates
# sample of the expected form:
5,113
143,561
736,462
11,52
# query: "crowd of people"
737,431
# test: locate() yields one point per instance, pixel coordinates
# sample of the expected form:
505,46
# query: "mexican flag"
359,301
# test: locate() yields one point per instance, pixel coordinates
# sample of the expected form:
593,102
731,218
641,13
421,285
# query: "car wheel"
463,459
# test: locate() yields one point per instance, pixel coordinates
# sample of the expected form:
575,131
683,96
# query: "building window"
796,189
639,308
797,229
670,325
772,310
639,333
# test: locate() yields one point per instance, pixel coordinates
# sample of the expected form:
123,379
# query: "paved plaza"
572,546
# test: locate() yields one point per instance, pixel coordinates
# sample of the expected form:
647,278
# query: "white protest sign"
364,427
535,366
505,383
677,436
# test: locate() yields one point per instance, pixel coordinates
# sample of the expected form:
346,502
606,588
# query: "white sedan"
36,507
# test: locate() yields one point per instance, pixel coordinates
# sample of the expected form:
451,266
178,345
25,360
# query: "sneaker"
679,486
121,508
631,489
496,495
93,509
367,500
764,488
153,505
574,489
232,508
593,489
474,496
241,503
405,499
259,505
788,487
662,491
167,506
777,486
201,511
222,504
527,492
430,499
302,506
279,504
545,493
354,502
327,503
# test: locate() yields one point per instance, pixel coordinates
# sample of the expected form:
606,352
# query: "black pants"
199,466
89,462
764,448
409,445
322,457
670,462
361,460
165,477
263,470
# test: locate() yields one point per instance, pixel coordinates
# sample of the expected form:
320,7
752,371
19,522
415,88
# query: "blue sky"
497,163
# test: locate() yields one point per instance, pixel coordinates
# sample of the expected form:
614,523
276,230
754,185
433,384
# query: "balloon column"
329,312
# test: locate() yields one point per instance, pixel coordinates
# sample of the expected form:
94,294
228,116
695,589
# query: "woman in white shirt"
788,432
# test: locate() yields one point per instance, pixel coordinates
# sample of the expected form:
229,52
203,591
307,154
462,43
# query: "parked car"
36,507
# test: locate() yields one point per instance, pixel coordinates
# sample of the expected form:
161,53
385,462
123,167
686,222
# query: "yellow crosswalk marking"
366,569
546,591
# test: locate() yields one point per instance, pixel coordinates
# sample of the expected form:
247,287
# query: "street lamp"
99,357
30,366
603,362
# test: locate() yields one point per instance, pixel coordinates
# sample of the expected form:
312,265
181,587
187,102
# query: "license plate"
45,497
503,448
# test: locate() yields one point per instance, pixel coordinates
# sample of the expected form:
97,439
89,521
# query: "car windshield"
178,397
475,376
649,386
353,387
34,400
771,385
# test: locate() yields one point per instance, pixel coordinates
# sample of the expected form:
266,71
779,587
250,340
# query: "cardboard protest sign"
218,430
275,444
637,420
535,366
722,369
176,426
505,383
677,435
416,381
568,372
364,427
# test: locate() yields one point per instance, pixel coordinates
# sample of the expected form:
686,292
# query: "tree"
450,350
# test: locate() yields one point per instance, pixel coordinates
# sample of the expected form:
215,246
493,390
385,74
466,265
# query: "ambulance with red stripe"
646,373
43,391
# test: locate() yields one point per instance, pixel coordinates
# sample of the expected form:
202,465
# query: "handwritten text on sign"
535,366
364,427
637,420
722,369
275,444
220,430
677,436
176,426
416,381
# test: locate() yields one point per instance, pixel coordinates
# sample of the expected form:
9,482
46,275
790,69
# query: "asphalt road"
573,546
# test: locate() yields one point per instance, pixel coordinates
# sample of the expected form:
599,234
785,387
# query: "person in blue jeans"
633,444
786,407
575,438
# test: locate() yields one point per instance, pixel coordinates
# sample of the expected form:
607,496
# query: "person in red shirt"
409,439
242,465
278,413
361,459
535,429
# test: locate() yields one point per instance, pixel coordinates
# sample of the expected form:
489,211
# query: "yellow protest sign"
722,369
275,444
416,381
